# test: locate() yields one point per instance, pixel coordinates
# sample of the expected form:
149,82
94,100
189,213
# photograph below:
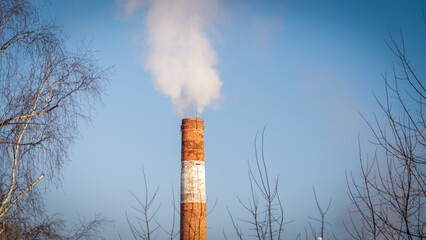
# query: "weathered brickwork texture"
193,186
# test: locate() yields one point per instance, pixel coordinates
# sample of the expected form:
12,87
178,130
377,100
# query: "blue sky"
306,69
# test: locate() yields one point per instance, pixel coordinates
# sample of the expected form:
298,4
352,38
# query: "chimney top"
191,123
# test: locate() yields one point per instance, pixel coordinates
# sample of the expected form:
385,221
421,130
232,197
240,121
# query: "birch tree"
46,91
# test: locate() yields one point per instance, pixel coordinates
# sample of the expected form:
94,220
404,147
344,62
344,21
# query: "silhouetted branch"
389,200
264,204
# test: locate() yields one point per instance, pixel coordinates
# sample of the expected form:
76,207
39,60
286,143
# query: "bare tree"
145,226
45,92
264,204
47,228
85,229
322,221
390,197
54,227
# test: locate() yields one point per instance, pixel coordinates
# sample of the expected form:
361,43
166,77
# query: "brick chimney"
193,185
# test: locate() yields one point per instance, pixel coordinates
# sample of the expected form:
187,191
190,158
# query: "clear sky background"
307,69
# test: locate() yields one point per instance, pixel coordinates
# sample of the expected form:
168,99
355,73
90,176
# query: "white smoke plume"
180,56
